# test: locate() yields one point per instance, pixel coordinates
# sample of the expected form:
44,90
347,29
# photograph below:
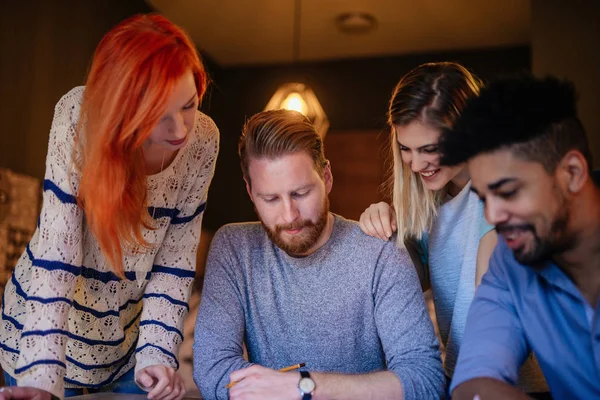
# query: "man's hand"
162,382
24,393
258,382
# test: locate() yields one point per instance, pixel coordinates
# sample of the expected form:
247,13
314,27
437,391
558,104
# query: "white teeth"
428,174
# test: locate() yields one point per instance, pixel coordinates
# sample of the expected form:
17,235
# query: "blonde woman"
433,207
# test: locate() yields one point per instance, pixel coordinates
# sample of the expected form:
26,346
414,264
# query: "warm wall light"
294,101
299,97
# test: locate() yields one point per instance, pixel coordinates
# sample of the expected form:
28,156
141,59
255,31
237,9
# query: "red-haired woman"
98,299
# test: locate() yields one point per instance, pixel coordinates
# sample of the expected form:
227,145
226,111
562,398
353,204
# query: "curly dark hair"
535,118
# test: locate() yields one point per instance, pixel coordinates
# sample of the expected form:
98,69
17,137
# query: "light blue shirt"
450,250
517,309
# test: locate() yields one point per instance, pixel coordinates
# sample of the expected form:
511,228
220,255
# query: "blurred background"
349,53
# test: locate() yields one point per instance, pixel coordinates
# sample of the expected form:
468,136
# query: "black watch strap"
305,396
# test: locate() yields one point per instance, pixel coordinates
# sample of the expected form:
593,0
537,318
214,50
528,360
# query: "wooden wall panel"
359,164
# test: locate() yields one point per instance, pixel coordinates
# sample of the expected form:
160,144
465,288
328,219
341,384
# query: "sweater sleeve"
56,260
220,325
405,329
166,297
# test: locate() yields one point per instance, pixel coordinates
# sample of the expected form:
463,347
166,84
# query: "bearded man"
307,286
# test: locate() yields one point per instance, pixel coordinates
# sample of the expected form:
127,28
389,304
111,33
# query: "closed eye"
508,195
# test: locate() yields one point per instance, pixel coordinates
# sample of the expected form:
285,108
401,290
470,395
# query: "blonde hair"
433,94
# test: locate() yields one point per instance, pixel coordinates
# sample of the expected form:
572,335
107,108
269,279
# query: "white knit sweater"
66,318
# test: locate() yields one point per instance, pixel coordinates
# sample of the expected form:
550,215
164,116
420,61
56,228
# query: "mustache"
294,225
508,228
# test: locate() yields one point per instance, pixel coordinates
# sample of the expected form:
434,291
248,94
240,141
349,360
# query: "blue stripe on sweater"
64,197
7,318
163,325
13,321
97,314
127,326
161,350
90,342
22,293
88,273
103,314
98,385
183,220
157,212
169,298
181,273
88,367
38,362
9,349
18,287
172,213
52,265
161,212
48,300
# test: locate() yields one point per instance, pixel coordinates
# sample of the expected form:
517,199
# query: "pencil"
286,369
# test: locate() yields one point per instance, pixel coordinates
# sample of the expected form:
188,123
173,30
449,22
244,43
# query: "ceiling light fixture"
298,96
356,22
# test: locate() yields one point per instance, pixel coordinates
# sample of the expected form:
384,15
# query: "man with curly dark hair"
530,163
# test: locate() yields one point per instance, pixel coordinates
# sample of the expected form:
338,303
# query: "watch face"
306,385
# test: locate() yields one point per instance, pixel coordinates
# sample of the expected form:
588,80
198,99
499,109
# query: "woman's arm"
487,244
55,254
166,296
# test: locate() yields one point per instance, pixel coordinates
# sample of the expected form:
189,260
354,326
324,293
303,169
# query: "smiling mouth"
515,236
429,174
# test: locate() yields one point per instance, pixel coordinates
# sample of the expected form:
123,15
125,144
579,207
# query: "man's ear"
248,188
573,170
328,177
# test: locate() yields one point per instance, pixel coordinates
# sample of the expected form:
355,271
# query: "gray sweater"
353,306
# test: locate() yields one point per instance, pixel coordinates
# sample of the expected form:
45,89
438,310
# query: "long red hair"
134,69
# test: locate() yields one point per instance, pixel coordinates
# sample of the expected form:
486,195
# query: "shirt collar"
556,277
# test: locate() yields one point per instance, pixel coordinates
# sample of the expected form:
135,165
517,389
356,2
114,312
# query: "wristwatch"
306,385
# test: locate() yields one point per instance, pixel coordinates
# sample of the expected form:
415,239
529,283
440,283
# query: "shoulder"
69,104
204,146
205,128
348,231
385,252
74,95
504,267
240,235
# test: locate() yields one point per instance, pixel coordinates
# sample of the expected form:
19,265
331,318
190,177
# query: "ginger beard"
301,242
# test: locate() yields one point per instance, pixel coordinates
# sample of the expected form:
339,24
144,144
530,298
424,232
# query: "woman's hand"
378,220
162,382
24,393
